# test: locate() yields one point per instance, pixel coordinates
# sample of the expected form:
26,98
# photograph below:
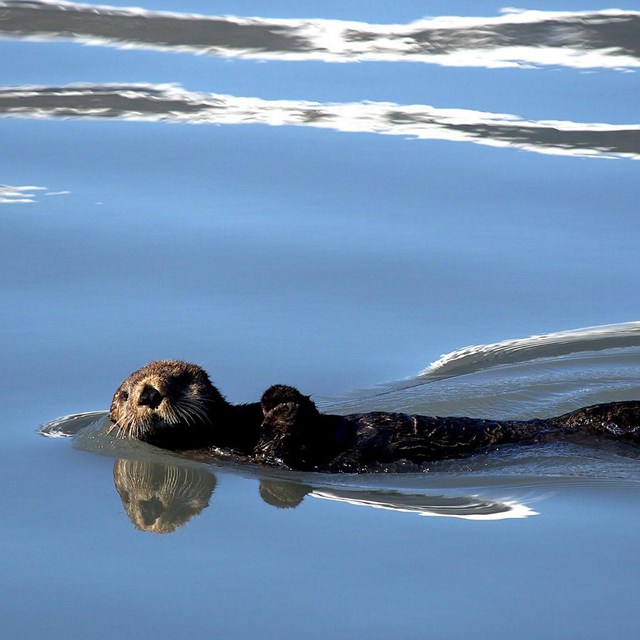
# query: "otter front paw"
289,418
280,394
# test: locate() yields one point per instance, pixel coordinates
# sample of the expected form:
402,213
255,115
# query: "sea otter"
173,405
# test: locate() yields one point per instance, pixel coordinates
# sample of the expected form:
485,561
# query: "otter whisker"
121,432
182,410
141,427
196,410
179,413
190,408
174,415
195,417
184,416
118,427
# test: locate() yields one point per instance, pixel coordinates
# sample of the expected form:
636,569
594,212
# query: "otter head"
168,403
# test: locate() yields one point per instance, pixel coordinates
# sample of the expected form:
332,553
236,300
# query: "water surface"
331,197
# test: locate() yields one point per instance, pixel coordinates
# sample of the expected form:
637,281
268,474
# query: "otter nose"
150,396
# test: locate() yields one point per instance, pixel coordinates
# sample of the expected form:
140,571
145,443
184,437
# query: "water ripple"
548,345
172,103
586,39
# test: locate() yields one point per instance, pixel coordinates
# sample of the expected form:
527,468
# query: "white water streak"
505,510
582,39
172,103
69,425
18,195
549,345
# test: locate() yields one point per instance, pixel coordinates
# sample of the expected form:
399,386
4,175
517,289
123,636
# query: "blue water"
336,215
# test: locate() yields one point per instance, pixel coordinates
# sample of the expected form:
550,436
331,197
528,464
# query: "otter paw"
281,394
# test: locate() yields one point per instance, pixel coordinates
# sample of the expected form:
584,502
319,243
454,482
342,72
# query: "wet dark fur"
297,435
287,429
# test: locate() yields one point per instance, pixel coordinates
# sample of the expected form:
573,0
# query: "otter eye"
183,379
124,395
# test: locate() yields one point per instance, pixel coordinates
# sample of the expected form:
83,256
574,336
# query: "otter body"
173,405
296,434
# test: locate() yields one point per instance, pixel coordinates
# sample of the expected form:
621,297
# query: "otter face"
162,398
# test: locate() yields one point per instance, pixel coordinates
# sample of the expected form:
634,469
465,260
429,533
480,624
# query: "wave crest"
548,345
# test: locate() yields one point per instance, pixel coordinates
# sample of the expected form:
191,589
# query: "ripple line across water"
582,39
172,103
549,345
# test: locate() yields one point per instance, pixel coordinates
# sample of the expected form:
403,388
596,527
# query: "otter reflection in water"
173,405
160,497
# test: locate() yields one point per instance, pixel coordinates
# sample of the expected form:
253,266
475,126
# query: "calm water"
330,197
